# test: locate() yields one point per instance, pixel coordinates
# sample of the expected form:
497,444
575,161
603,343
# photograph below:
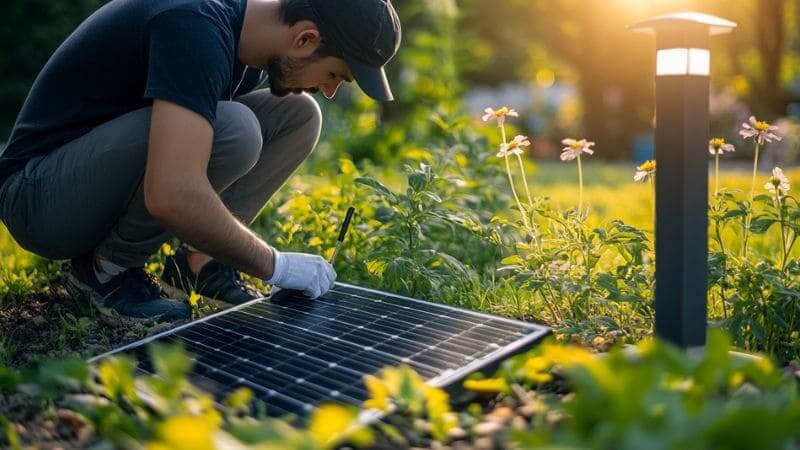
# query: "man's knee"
237,139
306,119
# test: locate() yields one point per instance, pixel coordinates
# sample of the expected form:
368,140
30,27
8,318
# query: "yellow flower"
330,424
379,394
736,379
437,400
153,267
537,363
567,356
536,369
487,385
194,297
167,249
314,241
186,433
439,413
239,399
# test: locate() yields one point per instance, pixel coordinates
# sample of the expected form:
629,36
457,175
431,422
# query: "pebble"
486,428
456,433
501,415
529,409
519,423
484,443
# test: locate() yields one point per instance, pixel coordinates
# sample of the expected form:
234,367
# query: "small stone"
554,417
484,443
486,428
601,344
421,425
501,415
76,424
747,389
519,423
461,445
84,401
456,433
527,410
49,425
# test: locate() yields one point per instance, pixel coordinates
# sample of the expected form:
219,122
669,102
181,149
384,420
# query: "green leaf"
734,213
762,224
376,185
512,259
417,181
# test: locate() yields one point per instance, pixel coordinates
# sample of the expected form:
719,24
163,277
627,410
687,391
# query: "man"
144,125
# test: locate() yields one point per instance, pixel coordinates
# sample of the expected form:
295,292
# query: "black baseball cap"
367,35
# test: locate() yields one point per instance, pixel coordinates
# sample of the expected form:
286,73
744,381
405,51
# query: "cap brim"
372,80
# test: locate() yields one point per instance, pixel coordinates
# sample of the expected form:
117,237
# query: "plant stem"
527,191
524,180
716,173
755,169
511,183
749,216
580,186
651,180
783,228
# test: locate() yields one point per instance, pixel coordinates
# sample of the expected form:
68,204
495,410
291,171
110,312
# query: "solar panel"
295,353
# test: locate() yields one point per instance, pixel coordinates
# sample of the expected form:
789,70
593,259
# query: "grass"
29,291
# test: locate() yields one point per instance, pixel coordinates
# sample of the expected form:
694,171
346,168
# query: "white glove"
310,274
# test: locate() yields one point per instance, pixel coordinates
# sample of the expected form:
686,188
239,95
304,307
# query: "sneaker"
218,283
131,297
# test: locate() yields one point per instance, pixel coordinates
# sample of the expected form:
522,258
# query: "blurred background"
570,67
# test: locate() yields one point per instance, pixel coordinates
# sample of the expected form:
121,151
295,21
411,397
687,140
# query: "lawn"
443,232
49,323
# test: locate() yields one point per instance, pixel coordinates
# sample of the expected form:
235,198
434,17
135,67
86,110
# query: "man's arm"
178,194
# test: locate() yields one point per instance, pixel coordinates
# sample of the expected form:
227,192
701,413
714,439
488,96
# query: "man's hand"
310,274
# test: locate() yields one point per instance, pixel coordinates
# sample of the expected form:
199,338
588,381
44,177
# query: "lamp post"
681,145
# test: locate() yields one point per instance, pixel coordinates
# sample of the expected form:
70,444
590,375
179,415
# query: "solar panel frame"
448,378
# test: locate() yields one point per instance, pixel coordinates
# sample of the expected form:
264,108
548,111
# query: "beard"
283,73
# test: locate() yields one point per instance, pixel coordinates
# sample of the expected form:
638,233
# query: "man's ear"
306,39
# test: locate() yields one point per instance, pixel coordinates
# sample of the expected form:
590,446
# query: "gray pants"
88,194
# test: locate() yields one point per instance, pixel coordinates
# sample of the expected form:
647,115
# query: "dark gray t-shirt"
120,58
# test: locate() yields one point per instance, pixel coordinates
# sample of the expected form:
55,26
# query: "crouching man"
147,124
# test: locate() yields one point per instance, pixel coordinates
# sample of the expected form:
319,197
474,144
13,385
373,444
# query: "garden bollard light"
683,64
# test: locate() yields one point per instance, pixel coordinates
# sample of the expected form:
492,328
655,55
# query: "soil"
52,324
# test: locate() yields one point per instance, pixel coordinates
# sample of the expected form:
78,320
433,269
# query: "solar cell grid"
296,353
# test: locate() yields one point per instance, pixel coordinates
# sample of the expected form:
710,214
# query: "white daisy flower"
778,183
574,148
499,114
645,171
718,146
759,130
514,147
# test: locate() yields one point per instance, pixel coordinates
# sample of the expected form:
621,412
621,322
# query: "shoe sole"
180,294
108,315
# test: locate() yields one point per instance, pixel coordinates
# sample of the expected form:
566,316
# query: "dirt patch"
53,324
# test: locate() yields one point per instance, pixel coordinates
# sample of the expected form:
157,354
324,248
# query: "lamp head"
682,41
